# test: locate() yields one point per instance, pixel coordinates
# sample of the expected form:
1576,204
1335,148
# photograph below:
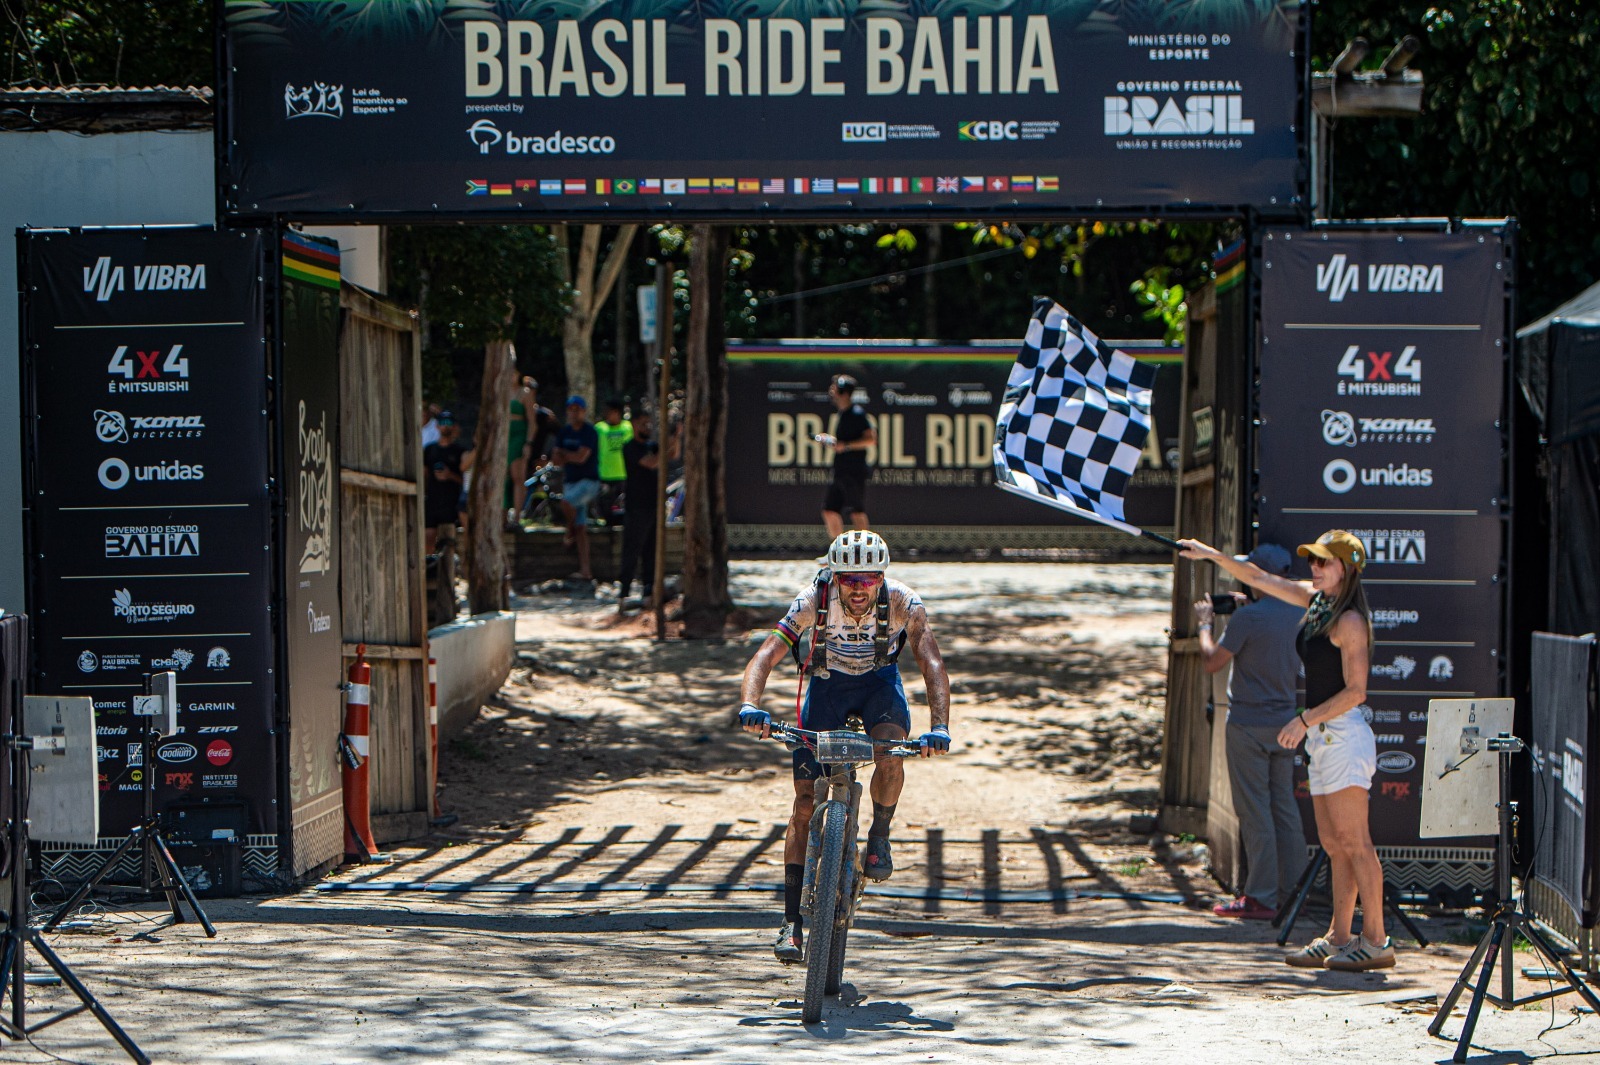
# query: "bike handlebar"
789,733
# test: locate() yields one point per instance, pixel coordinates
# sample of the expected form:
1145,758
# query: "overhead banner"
145,364
343,109
1383,373
933,409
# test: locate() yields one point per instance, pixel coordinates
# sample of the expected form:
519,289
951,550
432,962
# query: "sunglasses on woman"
860,580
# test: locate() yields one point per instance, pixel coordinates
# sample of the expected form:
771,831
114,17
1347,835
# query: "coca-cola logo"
219,752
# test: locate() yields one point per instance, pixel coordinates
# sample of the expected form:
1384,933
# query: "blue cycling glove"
937,739
753,716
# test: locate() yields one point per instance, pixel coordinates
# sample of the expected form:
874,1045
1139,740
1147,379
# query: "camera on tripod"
1505,742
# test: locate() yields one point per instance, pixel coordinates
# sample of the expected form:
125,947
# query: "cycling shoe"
879,865
790,947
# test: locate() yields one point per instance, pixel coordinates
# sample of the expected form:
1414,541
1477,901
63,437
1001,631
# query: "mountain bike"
834,874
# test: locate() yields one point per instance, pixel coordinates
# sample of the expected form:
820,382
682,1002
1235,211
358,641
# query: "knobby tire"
824,912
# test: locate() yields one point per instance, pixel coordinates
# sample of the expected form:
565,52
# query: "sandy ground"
609,893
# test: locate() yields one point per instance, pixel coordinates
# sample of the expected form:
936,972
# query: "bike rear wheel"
825,929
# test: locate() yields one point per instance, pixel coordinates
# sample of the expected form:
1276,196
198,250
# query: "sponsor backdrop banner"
1382,377
313,627
933,409
389,107
146,432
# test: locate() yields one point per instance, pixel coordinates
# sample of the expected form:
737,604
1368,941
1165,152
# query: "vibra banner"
387,108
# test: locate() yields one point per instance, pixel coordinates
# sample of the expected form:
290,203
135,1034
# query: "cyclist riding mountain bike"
864,619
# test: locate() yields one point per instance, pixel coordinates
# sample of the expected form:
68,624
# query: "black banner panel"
1383,369
1564,727
145,366
933,409
389,108
313,630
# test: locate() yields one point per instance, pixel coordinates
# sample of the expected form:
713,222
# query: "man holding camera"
1260,643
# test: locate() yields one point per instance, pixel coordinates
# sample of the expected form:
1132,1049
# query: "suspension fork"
836,789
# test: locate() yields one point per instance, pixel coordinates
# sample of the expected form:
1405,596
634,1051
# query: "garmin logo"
908,399
1338,277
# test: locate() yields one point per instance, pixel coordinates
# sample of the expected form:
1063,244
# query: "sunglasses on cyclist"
860,580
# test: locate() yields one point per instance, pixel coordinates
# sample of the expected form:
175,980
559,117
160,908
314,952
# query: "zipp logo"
103,278
1339,277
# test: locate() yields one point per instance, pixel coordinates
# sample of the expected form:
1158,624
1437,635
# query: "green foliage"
1163,303
107,42
478,283
1507,128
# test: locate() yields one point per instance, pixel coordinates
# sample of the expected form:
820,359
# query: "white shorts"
1343,754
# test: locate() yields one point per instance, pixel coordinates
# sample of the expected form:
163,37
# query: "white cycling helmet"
858,551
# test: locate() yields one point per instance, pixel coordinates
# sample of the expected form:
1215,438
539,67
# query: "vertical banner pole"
658,593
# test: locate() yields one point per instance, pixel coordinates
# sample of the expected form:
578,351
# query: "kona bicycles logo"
104,279
1338,277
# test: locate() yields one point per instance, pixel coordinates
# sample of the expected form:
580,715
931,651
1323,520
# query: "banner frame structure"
1201,106
1485,502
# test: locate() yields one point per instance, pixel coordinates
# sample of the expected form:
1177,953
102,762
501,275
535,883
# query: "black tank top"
1324,667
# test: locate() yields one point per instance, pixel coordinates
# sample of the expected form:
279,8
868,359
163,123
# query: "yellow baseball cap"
1336,543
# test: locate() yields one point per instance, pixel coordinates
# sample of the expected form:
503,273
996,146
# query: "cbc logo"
1339,476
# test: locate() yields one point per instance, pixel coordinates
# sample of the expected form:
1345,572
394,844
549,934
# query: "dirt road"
610,891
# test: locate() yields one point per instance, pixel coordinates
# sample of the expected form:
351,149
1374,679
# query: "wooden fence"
383,580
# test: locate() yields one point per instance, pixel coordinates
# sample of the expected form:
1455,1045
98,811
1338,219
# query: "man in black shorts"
852,435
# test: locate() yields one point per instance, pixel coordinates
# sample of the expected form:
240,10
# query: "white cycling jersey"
850,641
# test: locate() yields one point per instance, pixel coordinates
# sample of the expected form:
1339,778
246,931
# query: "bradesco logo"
152,541
1341,475
1378,373
105,278
148,371
1338,277
485,134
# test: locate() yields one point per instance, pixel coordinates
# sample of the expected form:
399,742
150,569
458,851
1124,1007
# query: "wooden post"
658,591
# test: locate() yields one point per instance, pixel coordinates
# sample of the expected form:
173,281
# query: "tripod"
1289,912
155,859
19,935
1507,923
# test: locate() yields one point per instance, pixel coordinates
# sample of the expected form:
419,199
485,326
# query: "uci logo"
865,132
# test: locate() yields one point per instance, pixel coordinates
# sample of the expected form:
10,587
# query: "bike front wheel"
825,929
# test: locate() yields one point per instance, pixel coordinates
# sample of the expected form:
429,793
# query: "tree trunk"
706,602
930,284
589,294
486,561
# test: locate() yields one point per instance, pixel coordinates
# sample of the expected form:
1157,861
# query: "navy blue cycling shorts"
877,698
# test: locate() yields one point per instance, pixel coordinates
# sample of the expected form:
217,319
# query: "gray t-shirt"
1260,636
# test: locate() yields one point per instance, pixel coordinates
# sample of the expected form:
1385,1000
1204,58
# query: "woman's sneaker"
1358,955
1314,955
790,947
1246,908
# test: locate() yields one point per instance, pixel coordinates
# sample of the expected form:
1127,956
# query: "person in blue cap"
1259,642
578,450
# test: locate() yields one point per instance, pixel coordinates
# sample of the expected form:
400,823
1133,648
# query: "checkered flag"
1074,420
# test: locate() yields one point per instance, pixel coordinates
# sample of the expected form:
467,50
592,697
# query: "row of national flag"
870,186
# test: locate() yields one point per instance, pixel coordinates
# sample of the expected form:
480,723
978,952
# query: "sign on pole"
388,109
646,295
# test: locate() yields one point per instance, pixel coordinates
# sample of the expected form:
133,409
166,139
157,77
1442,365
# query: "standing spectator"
1259,642
641,495
442,460
1335,646
577,447
615,432
430,424
852,435
519,434
545,426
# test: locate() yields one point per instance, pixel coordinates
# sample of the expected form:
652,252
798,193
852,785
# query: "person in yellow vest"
615,431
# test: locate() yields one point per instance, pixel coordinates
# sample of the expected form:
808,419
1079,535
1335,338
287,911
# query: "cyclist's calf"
794,841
